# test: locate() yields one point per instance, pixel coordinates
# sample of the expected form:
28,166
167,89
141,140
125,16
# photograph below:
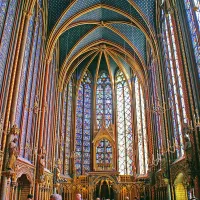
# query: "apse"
99,99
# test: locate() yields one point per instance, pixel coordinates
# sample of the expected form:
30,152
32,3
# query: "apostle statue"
41,165
13,154
58,170
13,149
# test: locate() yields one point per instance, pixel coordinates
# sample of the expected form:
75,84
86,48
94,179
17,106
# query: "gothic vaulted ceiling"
120,29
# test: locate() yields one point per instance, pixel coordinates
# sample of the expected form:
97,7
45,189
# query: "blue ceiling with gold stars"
82,22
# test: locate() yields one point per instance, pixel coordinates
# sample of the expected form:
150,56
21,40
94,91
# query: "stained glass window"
68,126
33,98
124,125
104,154
141,129
23,79
155,109
7,16
104,99
193,15
50,108
27,90
24,71
66,112
175,88
31,78
83,125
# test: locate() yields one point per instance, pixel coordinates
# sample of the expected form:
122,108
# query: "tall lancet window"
28,81
67,124
104,100
155,102
193,14
83,125
124,125
175,84
7,17
141,129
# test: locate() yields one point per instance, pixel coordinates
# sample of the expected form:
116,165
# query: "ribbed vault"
83,27
104,56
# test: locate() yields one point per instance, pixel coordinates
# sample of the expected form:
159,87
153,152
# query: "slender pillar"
45,85
42,118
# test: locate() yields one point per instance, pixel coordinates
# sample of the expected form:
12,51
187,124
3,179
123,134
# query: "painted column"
42,117
45,84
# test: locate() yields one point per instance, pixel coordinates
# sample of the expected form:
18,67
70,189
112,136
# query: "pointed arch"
142,155
124,125
83,125
104,105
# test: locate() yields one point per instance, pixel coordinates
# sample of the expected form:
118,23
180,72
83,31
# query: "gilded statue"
57,174
73,158
13,154
41,166
58,170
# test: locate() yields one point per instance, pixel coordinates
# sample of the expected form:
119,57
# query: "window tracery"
156,111
104,153
23,79
28,81
193,15
83,125
124,125
175,86
104,100
66,124
141,129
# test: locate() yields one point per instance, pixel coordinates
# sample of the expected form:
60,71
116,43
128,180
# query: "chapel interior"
100,98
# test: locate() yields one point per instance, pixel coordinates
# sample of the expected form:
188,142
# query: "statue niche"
104,151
